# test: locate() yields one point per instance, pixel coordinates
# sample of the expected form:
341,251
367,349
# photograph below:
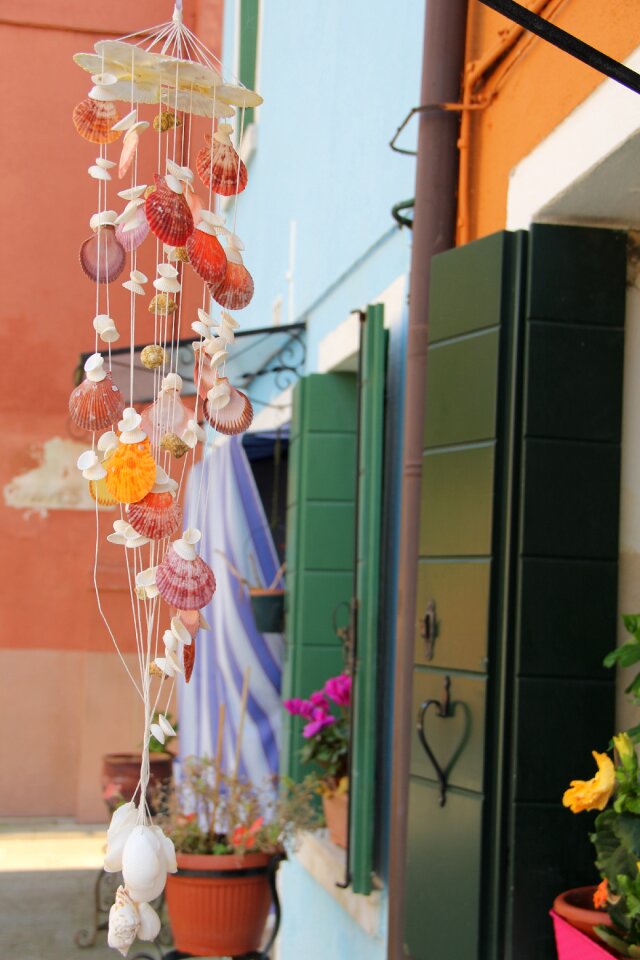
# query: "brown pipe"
433,231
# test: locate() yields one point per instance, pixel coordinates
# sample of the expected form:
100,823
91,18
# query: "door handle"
428,629
442,708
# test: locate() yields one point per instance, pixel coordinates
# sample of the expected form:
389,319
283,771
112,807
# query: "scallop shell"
195,204
132,238
93,119
235,417
217,166
156,516
187,584
167,414
100,492
189,659
102,257
207,256
131,472
153,356
168,214
129,147
172,443
94,406
235,290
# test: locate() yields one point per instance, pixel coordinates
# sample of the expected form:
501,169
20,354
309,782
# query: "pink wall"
47,601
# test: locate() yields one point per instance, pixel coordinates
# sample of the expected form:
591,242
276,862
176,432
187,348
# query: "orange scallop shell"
189,659
217,166
93,119
187,584
234,418
168,214
102,256
235,290
207,256
94,406
131,472
156,516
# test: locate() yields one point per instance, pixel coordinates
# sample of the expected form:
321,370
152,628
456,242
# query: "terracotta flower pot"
573,944
121,772
218,905
576,907
336,813
268,609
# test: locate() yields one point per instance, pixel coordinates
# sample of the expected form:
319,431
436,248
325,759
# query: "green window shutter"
320,538
248,53
369,523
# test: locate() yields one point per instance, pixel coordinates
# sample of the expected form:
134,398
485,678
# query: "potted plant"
267,603
326,732
610,924
229,836
121,771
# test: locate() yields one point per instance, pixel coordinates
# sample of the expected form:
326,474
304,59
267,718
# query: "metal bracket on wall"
442,708
429,629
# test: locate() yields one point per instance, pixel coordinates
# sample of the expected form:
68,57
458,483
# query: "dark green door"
522,432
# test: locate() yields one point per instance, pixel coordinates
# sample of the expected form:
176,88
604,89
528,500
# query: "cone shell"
233,418
168,214
207,256
191,620
156,516
189,659
112,256
187,584
94,406
93,119
131,239
217,166
235,290
131,472
153,356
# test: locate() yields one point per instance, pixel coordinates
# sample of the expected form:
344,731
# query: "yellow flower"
592,794
626,750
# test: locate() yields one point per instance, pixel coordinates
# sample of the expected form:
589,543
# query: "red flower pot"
218,905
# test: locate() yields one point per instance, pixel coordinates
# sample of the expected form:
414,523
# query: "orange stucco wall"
543,87
64,698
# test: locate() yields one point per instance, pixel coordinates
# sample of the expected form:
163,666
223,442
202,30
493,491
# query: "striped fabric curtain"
235,536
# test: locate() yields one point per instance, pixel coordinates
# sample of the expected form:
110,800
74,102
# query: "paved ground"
47,878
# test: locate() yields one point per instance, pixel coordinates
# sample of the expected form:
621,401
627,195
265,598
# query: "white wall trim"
597,127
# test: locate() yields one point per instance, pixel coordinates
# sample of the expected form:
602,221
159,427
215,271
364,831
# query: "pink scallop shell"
187,584
131,239
217,166
234,418
235,290
156,516
94,406
102,244
207,256
168,214
93,119
167,414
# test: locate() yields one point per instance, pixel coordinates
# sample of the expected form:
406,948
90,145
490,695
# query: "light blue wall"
337,77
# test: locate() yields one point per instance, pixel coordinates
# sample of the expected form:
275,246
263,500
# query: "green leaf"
631,622
625,656
611,940
634,733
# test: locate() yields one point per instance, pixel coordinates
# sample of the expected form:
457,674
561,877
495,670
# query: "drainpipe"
434,222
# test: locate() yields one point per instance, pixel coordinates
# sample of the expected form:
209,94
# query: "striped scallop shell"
93,119
168,214
189,659
187,584
206,256
131,239
131,472
94,406
233,418
217,166
156,516
235,290
102,257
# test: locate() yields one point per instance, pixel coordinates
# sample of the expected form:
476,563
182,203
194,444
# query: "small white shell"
170,642
122,823
104,163
133,193
87,460
107,442
98,173
95,472
200,328
204,317
149,922
124,922
157,732
166,726
179,631
141,862
173,183
127,122
229,320
138,127
164,664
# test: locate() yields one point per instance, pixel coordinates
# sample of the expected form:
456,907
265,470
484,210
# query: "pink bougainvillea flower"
318,699
299,708
245,836
338,689
319,720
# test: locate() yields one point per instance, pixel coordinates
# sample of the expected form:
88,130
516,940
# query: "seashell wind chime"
133,457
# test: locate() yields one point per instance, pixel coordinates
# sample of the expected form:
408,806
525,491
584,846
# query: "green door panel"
329,538
466,290
439,862
457,741
570,499
330,465
323,592
462,613
557,639
457,490
461,390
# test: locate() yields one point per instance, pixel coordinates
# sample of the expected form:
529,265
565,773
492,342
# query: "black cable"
567,42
